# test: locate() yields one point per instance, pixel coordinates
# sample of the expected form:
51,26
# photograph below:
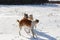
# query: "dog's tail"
18,21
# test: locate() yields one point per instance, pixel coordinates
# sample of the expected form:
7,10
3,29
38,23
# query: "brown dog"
25,22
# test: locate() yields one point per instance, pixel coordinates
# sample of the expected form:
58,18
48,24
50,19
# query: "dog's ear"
31,15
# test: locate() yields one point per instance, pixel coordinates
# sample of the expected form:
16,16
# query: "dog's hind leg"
20,30
27,30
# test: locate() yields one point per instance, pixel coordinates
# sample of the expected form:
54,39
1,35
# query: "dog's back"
25,22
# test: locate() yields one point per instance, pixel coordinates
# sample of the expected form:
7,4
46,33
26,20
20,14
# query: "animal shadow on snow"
43,35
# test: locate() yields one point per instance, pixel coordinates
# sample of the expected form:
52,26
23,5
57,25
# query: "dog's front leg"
33,33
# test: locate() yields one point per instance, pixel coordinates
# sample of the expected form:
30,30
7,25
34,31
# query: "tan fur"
30,17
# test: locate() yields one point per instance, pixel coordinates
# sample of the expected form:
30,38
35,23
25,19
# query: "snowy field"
48,27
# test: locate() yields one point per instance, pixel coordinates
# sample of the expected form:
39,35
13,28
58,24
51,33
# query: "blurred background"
14,2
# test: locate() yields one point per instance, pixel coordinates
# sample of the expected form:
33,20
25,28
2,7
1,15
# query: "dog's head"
30,17
37,21
25,15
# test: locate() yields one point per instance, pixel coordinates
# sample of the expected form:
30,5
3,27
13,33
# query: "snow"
48,27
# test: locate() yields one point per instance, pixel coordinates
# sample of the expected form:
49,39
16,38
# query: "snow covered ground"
48,27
